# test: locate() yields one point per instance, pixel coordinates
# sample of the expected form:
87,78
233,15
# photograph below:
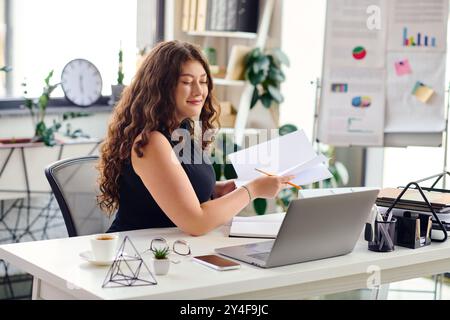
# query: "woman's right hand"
268,187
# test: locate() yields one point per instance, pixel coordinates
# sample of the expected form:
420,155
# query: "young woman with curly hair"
141,177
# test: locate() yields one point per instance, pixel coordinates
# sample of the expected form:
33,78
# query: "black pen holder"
382,237
413,230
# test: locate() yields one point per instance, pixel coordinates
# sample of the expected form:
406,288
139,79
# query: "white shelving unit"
259,39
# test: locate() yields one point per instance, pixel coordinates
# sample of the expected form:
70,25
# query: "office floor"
415,289
16,287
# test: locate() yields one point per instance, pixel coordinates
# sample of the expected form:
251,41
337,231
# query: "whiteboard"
383,83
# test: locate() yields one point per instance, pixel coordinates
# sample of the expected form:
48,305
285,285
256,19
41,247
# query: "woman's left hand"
223,187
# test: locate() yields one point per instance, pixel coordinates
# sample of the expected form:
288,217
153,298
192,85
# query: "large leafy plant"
264,71
38,109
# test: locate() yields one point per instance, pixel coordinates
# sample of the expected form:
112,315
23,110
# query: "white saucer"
88,256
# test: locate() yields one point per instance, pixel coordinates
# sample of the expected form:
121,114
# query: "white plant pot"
161,266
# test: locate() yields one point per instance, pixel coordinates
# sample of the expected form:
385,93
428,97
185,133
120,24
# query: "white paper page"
273,156
348,26
343,121
305,166
317,173
260,230
417,33
266,226
271,217
406,113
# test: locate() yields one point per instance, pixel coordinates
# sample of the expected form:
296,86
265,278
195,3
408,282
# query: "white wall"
22,127
49,33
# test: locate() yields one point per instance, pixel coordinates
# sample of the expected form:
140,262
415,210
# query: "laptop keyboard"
260,256
259,247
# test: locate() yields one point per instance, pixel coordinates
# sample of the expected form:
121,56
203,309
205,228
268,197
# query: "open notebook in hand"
291,154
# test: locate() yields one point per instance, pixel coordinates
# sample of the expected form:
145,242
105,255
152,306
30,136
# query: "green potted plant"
161,262
38,110
117,89
264,71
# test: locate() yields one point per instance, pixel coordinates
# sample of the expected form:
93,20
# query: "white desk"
59,272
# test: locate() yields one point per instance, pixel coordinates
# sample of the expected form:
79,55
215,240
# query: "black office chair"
74,184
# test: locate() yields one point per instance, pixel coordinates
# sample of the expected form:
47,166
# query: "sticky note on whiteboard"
422,92
402,67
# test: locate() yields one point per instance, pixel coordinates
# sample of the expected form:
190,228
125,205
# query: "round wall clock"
81,82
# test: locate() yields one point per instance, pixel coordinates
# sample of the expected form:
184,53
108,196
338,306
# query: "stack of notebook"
413,200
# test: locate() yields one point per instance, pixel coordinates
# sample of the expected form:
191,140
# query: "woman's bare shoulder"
155,141
153,138
157,153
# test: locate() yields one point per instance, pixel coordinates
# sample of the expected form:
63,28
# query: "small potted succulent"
161,262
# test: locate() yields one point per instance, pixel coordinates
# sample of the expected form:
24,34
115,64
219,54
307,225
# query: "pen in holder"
381,236
413,230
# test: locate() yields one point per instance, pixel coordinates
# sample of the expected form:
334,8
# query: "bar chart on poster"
416,55
383,78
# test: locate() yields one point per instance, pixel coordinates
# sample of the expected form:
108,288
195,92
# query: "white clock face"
81,82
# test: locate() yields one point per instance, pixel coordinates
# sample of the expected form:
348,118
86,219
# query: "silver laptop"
313,228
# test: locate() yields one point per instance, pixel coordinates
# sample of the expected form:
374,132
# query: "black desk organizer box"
408,235
406,232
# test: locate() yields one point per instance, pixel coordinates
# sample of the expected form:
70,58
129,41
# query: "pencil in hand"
271,175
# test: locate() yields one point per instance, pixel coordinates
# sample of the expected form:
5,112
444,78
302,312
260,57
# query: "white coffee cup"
104,246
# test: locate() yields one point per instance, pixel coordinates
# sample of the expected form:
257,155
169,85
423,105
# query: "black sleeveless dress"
137,207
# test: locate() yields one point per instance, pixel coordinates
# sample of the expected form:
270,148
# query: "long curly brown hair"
148,104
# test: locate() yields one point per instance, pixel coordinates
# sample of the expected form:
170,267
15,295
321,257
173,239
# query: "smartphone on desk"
217,262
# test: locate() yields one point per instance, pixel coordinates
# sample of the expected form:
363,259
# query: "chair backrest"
74,184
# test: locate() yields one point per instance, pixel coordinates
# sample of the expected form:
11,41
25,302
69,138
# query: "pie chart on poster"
359,53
